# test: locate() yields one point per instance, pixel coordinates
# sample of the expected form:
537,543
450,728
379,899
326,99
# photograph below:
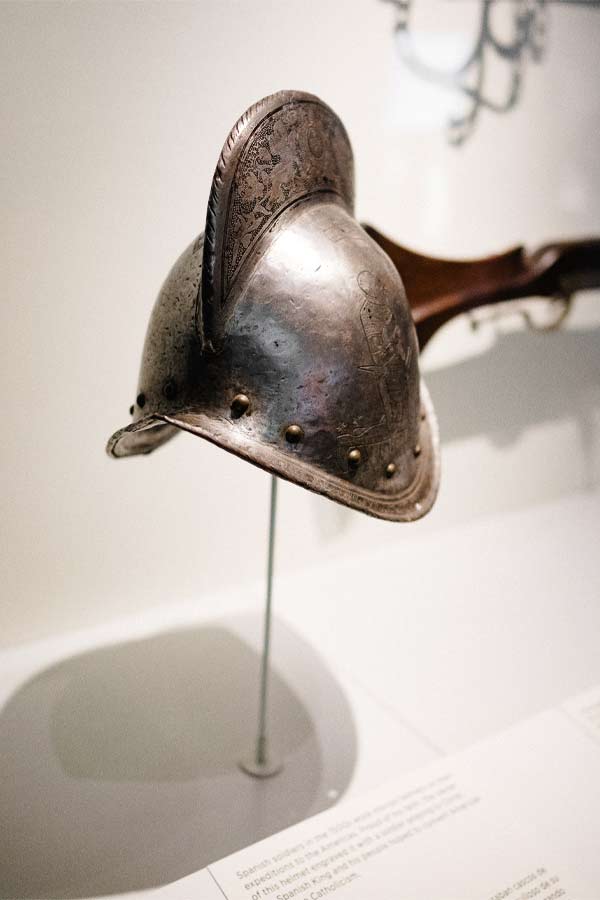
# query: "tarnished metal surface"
284,335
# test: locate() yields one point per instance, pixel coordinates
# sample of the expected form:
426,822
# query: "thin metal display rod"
262,765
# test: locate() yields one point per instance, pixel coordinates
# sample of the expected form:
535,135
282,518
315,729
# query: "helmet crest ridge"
280,151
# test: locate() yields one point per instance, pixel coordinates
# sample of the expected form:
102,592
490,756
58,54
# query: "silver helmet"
283,333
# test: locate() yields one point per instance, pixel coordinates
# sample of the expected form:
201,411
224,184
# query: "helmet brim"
409,504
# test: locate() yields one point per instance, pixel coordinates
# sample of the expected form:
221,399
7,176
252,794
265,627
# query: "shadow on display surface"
484,395
120,765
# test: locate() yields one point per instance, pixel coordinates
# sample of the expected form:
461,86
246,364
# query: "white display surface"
516,816
379,684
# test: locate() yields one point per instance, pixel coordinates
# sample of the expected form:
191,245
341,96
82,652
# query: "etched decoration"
391,360
284,149
295,151
390,364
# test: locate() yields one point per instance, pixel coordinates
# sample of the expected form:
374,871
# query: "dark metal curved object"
284,334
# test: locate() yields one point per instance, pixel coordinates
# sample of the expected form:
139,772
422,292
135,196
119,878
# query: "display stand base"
261,769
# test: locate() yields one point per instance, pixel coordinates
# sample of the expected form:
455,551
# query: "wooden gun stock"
439,289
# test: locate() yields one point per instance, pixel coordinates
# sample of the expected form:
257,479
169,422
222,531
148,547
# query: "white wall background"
113,115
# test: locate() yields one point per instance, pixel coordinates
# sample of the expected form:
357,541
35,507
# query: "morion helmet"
283,333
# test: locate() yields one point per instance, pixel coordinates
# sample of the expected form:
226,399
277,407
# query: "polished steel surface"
284,334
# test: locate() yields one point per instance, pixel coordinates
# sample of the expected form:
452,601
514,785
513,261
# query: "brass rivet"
239,405
390,470
293,434
417,450
354,458
141,400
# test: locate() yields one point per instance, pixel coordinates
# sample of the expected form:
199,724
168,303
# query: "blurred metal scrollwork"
469,77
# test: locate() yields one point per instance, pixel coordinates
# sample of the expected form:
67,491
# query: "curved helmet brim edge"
406,506
141,437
